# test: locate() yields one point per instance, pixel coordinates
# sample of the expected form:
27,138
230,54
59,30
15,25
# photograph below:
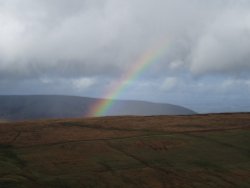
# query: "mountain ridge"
24,107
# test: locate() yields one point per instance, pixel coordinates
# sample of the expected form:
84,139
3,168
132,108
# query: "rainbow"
142,64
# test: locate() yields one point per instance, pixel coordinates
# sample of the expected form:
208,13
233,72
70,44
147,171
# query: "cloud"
92,38
169,83
225,46
83,46
231,84
83,83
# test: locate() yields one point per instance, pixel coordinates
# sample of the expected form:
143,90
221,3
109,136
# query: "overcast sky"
82,47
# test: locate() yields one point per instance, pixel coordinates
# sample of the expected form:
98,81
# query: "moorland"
209,150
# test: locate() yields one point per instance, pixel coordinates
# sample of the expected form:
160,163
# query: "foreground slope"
156,151
24,107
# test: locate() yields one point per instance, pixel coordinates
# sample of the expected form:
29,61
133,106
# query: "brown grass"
128,151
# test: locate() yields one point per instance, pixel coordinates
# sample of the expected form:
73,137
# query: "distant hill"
23,107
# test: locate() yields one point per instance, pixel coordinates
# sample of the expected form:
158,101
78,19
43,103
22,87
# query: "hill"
155,151
57,106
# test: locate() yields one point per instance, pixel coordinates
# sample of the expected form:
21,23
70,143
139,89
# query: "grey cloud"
225,46
62,38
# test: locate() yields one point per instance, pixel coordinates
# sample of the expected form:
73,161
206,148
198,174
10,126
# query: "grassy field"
157,151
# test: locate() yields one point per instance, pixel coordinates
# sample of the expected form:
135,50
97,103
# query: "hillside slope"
157,151
56,106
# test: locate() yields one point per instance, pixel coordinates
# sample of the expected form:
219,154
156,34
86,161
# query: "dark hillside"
56,106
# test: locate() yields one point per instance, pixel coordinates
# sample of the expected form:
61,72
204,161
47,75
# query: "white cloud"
169,83
232,84
83,83
177,64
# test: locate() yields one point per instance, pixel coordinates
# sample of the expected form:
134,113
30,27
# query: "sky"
82,47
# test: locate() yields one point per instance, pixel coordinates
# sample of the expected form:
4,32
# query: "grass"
11,166
155,152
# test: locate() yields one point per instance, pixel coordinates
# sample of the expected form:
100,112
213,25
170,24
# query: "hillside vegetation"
155,151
